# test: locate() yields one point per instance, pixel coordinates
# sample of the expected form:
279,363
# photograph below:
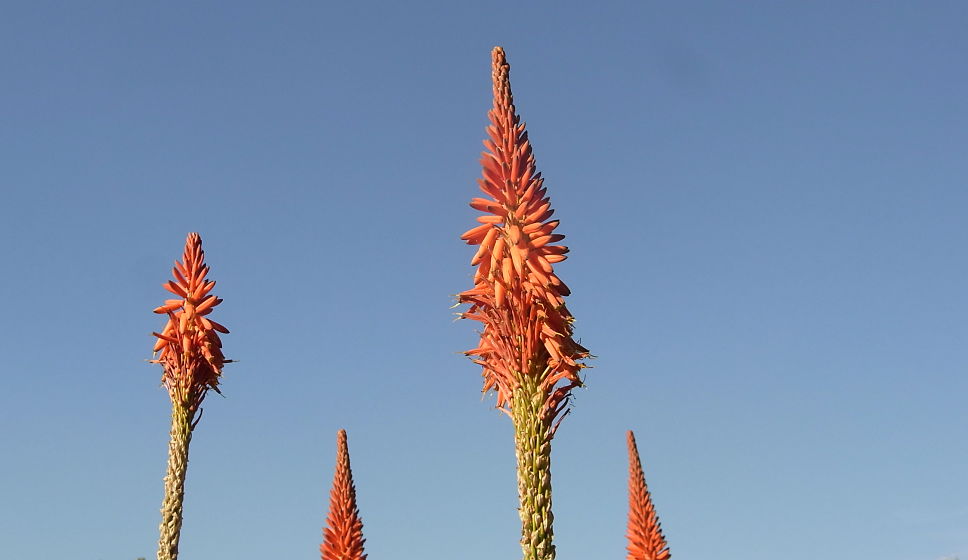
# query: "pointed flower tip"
635,464
645,538
343,533
500,81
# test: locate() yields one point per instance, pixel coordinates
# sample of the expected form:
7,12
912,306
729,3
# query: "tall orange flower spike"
517,295
189,345
644,530
527,352
190,353
343,534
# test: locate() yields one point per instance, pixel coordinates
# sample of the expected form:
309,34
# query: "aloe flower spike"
644,530
343,534
527,352
190,352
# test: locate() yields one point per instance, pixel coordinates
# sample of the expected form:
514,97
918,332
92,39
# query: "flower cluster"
644,530
516,294
343,534
189,348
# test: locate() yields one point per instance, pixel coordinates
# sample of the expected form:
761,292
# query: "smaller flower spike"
644,531
343,534
189,346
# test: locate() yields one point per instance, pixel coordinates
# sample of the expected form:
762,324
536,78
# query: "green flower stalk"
190,353
527,352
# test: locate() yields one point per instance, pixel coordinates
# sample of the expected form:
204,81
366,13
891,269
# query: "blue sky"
766,207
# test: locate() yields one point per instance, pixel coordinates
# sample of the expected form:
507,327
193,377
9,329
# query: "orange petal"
514,232
541,241
484,204
531,228
498,295
175,289
210,301
486,245
517,260
474,236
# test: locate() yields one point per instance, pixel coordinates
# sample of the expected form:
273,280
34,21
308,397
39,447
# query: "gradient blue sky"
766,204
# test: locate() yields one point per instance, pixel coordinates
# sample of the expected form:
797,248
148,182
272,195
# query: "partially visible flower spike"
343,534
644,530
190,353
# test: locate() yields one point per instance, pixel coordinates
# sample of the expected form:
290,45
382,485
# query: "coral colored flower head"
517,295
189,348
343,534
644,530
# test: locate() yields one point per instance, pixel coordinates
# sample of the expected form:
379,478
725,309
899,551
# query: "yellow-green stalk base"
171,507
532,439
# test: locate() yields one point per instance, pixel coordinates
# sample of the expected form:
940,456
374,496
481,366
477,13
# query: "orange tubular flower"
644,530
189,345
343,534
517,295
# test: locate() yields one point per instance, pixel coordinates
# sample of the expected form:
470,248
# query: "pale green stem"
171,506
532,438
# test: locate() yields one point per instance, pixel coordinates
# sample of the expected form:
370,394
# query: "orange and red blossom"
189,347
343,534
644,530
517,295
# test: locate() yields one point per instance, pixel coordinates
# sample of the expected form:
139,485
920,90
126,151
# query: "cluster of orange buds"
516,294
645,539
343,534
189,346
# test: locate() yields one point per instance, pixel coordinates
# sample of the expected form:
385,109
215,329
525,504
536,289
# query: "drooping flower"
644,530
189,346
343,534
517,295
527,352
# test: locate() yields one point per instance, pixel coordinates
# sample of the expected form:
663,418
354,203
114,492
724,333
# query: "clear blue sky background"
766,204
